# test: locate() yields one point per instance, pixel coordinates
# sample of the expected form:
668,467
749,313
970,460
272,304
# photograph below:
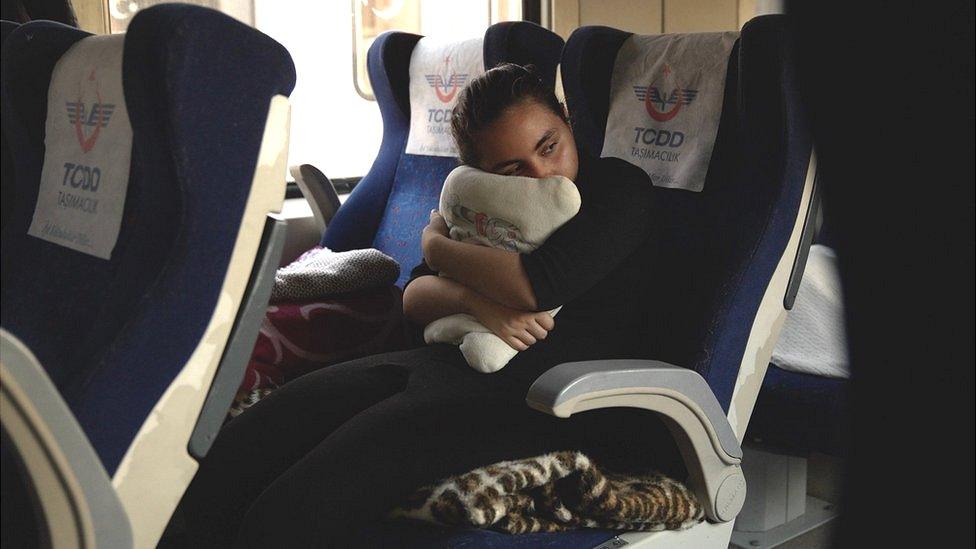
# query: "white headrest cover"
665,104
88,146
438,72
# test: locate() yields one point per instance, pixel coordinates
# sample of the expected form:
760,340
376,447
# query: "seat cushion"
800,413
409,534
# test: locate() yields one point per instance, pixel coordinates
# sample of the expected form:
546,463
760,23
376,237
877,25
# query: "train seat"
391,205
799,412
7,165
138,257
729,257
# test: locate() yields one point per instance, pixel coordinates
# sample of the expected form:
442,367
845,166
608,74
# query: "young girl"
330,454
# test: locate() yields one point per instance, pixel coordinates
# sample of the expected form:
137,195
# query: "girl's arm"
430,297
614,220
493,273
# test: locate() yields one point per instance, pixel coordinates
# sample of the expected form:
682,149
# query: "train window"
335,125
370,18
120,12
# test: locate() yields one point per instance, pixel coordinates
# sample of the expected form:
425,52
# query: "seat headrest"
588,63
198,88
399,93
660,99
721,245
87,149
438,71
666,96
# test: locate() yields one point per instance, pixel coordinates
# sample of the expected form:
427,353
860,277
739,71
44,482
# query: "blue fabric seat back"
716,250
112,334
7,164
799,413
391,204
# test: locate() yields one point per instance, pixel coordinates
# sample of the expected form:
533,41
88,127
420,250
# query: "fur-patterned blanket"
552,493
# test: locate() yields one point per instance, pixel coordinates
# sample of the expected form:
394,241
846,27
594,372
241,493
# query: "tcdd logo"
446,85
95,120
657,103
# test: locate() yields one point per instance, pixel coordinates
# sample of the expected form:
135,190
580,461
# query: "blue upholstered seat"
802,413
112,334
717,249
7,164
391,204
798,413
123,358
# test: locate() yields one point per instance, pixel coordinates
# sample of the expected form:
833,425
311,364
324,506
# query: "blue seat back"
391,204
801,413
7,163
113,333
715,250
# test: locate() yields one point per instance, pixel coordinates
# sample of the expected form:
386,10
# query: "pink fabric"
297,338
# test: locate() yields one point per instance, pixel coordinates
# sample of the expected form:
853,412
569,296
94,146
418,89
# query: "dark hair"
486,97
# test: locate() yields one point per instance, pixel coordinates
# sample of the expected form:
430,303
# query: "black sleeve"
615,218
419,271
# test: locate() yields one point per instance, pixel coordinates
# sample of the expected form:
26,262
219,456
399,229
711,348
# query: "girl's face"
528,140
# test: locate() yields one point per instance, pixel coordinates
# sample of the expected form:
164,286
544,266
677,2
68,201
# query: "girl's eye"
548,150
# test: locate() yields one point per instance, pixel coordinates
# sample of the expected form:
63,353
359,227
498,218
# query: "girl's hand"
519,329
436,227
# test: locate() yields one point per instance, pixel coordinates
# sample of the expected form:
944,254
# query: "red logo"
662,105
88,124
446,85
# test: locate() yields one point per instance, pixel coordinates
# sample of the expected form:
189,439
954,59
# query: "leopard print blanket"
553,493
245,399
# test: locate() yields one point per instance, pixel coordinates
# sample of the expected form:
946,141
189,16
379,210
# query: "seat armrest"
78,506
683,399
319,191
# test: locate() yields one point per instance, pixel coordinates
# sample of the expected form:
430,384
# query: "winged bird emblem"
98,118
658,104
446,87
100,113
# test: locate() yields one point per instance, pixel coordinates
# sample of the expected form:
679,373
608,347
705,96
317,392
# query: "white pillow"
508,212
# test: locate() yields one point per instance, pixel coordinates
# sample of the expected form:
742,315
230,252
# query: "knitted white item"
320,273
813,340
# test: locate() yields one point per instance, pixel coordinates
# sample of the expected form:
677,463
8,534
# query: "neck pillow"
509,212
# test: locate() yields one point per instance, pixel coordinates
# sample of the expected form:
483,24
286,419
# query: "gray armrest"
319,191
683,399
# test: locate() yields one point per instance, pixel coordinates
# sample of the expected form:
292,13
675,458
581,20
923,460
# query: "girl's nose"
535,169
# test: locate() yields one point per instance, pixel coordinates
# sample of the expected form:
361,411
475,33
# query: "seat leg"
777,507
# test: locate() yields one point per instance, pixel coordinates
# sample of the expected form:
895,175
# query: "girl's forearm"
429,298
495,274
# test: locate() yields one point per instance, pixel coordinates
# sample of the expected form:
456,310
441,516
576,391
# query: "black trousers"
333,452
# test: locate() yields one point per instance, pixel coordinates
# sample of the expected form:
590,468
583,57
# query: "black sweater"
597,266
